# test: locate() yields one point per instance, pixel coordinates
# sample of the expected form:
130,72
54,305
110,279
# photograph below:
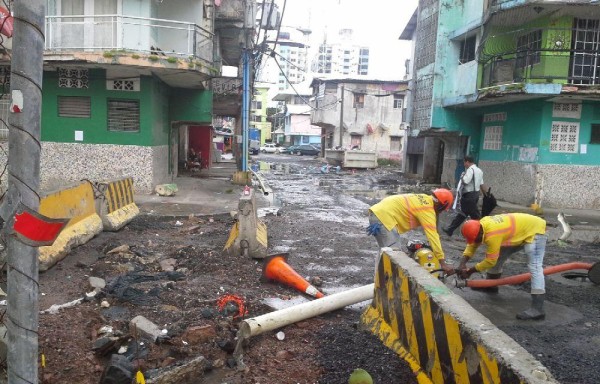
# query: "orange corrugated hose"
518,279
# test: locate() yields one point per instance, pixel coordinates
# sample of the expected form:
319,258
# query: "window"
585,43
256,118
492,139
256,105
355,141
595,135
74,106
528,49
568,110
398,101
467,50
73,78
395,143
359,100
4,112
123,115
564,137
132,85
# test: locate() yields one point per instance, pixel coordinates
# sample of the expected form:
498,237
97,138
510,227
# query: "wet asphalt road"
326,238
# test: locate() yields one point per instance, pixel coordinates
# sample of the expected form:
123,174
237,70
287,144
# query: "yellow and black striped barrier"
438,333
76,203
116,203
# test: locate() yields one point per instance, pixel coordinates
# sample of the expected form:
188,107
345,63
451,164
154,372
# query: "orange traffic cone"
276,268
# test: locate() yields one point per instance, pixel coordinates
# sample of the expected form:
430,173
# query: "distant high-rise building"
288,62
341,56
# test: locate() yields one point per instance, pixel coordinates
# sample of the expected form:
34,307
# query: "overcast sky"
377,24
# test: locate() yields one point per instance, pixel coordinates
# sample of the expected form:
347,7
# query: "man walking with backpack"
470,181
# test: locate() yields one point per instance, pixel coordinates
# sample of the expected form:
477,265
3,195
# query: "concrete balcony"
520,12
164,45
227,96
234,24
326,113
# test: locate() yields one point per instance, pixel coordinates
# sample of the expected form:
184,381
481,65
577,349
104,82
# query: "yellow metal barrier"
116,205
440,335
76,203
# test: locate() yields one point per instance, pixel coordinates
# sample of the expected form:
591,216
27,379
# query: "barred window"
564,137
492,139
74,106
123,115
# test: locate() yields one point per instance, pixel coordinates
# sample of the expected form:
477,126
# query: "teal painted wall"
528,125
590,114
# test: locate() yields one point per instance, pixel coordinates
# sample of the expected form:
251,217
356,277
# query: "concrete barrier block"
78,204
438,333
116,204
248,236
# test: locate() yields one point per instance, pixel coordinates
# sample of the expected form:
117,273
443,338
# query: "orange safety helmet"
470,230
444,198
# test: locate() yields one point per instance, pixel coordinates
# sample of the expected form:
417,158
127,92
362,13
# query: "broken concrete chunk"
97,283
143,326
199,334
118,371
166,189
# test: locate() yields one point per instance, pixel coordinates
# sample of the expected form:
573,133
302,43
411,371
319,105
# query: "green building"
514,83
128,86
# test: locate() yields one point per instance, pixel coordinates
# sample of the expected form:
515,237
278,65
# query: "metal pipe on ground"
593,274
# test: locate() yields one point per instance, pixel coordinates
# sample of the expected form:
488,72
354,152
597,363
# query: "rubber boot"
536,312
489,276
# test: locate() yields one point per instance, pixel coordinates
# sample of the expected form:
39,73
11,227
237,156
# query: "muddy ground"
321,223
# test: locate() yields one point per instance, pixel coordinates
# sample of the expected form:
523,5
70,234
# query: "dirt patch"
324,349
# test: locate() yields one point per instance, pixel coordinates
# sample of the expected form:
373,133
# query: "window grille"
131,85
570,110
528,49
4,112
467,50
585,63
74,106
123,115
564,137
73,78
493,138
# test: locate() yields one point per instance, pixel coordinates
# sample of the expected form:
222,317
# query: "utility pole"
245,105
23,187
342,117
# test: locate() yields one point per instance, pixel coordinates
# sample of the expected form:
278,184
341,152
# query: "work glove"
448,269
374,229
466,273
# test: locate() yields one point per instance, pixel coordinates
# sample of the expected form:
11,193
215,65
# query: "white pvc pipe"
270,321
566,227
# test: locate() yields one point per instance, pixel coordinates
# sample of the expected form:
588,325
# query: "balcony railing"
547,55
117,32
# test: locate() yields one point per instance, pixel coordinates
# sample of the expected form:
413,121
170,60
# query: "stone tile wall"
67,163
562,186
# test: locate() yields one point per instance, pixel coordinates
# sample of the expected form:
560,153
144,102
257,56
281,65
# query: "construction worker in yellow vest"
504,235
400,213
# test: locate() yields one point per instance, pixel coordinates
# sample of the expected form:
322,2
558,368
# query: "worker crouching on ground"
504,235
400,213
